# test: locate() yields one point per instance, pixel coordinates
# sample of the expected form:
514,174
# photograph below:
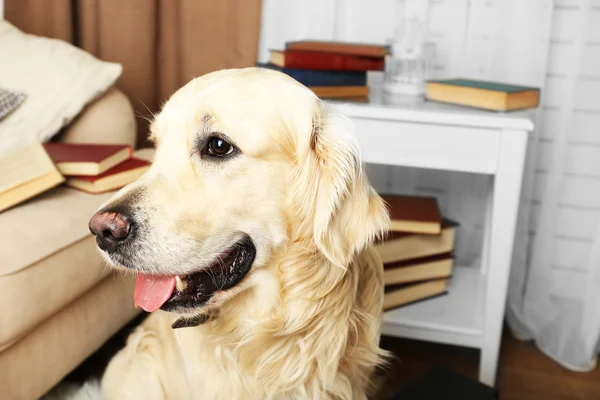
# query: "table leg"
505,203
487,227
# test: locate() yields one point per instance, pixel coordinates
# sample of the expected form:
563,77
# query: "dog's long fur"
305,322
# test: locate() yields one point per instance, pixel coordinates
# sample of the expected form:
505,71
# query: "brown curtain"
161,44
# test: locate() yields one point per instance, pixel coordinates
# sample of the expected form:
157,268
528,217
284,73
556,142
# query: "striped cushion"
9,101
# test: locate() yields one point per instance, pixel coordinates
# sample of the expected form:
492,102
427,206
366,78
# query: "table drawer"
428,145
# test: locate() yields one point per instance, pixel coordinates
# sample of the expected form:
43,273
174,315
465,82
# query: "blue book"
309,77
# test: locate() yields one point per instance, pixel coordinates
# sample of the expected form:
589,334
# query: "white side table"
456,139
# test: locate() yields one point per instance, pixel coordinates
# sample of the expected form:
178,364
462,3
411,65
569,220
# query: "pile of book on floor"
93,168
417,253
332,70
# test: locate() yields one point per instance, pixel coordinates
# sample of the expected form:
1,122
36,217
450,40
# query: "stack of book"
96,168
332,70
93,168
417,253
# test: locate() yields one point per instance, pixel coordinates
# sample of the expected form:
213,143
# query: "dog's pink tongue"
152,291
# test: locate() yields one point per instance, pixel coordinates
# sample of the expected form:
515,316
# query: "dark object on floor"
444,384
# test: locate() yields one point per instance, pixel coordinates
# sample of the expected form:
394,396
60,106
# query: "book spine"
309,77
373,50
334,62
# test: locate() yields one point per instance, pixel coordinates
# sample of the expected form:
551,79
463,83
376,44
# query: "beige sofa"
58,302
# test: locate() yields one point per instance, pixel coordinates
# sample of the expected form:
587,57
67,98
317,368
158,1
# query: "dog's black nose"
111,228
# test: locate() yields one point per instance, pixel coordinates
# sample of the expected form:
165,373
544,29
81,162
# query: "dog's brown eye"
219,147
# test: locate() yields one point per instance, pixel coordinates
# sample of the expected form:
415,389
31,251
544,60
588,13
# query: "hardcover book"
332,92
417,214
482,94
357,49
86,159
400,246
301,59
420,269
115,178
309,77
408,293
26,173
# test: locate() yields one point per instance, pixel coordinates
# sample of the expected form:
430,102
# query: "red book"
417,214
115,178
86,159
357,49
319,60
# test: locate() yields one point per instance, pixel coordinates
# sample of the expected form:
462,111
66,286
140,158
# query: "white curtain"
555,299
554,291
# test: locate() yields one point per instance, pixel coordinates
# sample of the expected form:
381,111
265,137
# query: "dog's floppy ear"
348,213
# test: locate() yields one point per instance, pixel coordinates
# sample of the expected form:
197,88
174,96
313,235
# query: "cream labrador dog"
251,236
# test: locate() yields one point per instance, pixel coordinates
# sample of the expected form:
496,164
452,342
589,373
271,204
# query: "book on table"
86,159
26,173
349,85
332,70
357,49
118,176
485,95
303,59
313,77
340,91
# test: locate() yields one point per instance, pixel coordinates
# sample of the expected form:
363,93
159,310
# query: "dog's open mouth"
180,293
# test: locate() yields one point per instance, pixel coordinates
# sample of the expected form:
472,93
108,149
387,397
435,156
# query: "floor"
524,372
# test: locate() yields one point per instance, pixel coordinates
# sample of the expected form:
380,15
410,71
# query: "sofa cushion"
36,293
58,78
44,225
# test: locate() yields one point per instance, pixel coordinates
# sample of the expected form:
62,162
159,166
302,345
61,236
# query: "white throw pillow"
58,78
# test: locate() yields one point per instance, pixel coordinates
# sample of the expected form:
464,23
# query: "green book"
483,94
